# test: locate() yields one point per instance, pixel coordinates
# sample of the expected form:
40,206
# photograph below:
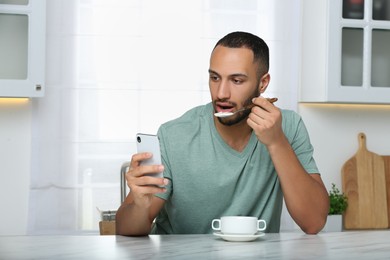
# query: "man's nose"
223,90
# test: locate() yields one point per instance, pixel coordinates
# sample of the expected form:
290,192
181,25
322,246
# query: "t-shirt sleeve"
167,172
300,142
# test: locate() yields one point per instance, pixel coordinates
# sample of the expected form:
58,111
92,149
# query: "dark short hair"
254,43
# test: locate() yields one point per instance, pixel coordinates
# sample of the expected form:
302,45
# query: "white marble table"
343,245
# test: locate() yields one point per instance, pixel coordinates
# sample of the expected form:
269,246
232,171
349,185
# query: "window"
115,68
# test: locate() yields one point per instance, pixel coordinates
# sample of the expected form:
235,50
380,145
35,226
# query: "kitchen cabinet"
22,48
345,51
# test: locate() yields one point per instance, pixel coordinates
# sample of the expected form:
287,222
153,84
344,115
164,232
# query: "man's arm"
136,214
305,194
134,220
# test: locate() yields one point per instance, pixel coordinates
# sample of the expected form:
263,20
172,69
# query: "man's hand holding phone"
144,176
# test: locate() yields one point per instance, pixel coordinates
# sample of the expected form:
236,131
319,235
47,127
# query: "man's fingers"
149,185
138,157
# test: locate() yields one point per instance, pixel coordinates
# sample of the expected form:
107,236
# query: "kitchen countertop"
337,245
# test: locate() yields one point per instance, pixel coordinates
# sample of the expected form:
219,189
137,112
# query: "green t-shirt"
209,179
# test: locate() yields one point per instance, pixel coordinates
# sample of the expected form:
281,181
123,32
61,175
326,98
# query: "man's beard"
240,116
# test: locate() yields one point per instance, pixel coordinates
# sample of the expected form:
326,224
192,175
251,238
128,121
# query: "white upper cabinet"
345,51
22,48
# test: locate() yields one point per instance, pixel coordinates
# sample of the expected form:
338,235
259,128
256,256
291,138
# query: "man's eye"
237,81
214,78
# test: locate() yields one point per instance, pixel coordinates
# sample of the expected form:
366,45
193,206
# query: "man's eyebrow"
214,72
239,75
232,75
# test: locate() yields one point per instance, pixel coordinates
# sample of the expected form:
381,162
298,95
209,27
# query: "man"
239,165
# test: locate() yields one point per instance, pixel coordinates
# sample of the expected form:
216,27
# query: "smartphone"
149,143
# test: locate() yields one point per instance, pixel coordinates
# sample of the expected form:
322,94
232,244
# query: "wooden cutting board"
364,184
386,159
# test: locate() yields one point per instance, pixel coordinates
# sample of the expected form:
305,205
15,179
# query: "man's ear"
264,81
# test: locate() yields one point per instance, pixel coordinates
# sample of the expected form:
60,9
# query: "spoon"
227,114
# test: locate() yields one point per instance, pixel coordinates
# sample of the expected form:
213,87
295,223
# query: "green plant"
338,201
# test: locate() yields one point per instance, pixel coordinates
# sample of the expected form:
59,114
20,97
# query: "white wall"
333,131
15,152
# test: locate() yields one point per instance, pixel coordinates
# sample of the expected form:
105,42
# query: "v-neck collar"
249,146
